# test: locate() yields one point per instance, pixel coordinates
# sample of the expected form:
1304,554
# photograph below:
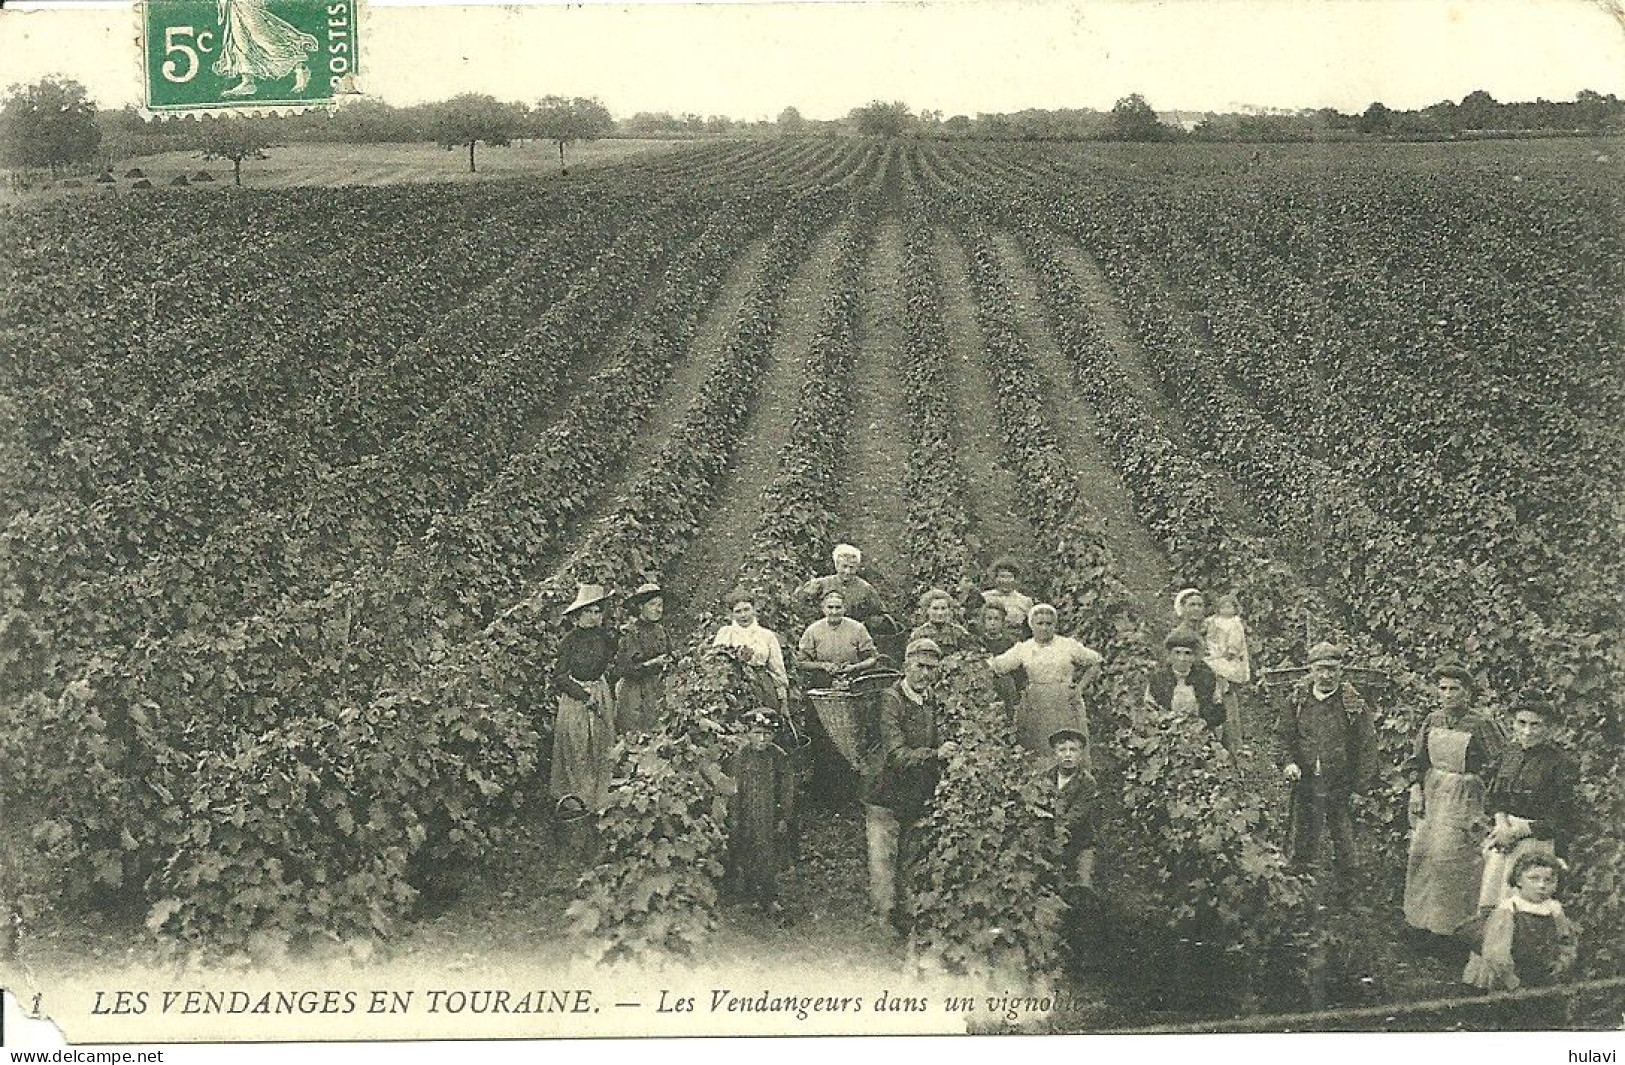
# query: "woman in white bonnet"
1055,666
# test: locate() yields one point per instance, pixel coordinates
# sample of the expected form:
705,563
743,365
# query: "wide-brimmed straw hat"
644,593
587,595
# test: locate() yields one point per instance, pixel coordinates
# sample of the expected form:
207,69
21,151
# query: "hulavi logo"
203,54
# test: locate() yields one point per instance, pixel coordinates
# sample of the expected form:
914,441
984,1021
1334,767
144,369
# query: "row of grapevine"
1384,575
985,855
1527,516
441,239
226,571
1175,498
1216,873
1599,890
632,906
261,555
934,484
428,765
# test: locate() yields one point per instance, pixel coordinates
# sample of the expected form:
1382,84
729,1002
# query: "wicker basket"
842,712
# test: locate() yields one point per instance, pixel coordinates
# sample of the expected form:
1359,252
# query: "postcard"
1025,517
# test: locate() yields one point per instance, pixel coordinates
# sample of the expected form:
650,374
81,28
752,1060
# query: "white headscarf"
1042,608
1179,600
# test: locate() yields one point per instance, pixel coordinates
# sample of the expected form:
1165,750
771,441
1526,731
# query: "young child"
938,608
1072,799
759,812
1528,941
1226,637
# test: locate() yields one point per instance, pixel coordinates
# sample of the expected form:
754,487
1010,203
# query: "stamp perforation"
343,64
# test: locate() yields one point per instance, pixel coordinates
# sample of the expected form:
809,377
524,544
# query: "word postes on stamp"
222,54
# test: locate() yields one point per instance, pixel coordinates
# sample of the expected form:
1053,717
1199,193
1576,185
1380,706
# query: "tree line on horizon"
53,125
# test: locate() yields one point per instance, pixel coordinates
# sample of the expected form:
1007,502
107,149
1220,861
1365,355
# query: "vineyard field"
299,478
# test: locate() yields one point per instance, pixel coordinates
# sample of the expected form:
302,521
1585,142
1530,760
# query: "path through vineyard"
1119,420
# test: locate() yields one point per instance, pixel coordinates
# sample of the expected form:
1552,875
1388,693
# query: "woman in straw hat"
585,729
645,653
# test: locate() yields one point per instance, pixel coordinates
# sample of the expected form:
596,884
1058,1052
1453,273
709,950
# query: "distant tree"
957,126
50,124
790,121
1479,110
123,134
373,121
565,121
1594,111
1376,118
1132,119
661,123
236,139
474,117
881,119
1443,115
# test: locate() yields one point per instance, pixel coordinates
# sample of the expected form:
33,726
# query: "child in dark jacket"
759,812
1070,797
1184,684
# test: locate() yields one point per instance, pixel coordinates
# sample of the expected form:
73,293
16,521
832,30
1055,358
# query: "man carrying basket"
902,777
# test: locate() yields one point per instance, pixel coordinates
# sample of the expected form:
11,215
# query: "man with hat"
1328,743
903,776
584,731
645,652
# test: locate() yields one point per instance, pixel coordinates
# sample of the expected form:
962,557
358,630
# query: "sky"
750,60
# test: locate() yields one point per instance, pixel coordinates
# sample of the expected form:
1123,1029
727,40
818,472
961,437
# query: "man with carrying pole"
1328,749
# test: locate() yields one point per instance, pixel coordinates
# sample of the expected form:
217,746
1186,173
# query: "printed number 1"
172,70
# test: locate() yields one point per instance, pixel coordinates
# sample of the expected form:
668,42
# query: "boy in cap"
759,811
1071,798
1327,736
1068,798
903,776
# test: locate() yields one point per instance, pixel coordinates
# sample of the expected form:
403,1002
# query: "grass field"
315,163
284,568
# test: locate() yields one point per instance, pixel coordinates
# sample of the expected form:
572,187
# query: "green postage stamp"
215,54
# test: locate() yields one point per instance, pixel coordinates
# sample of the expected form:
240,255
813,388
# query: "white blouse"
765,651
1056,662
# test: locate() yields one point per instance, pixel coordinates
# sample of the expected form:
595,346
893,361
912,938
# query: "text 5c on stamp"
217,54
